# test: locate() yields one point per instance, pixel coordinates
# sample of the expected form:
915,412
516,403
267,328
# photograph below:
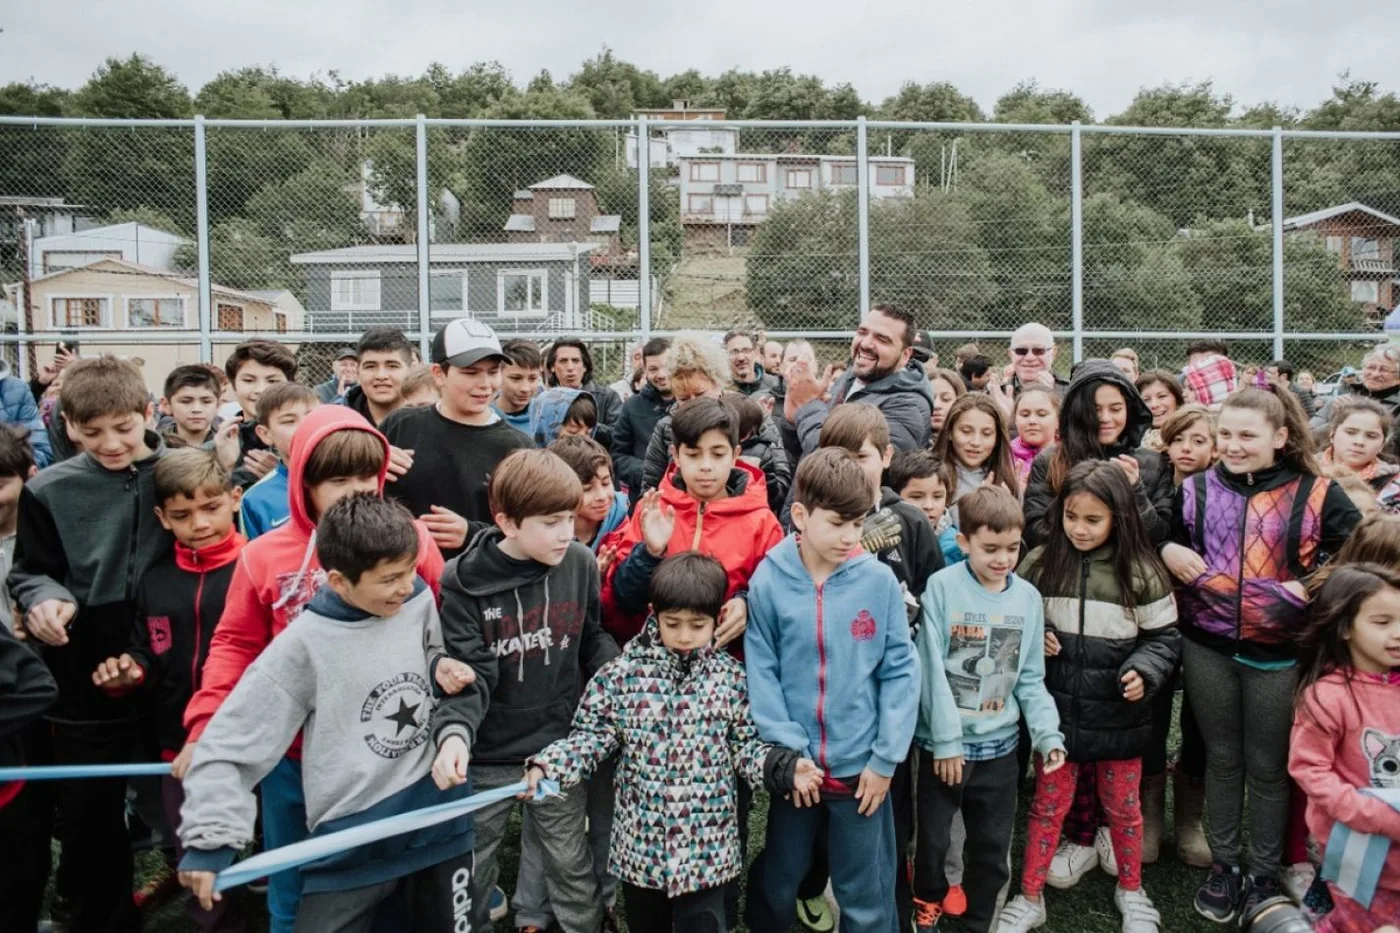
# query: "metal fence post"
863,216
424,292
643,229
201,234
1076,237
1276,224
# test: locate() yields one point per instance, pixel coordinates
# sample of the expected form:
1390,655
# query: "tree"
312,210
31,158
615,88
148,217
470,93
241,257
1134,277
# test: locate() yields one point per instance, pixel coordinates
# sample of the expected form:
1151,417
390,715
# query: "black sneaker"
1258,891
1218,899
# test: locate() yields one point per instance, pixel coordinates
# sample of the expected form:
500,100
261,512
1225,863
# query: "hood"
911,378
323,420
547,411
484,569
748,491
649,647
787,561
1091,372
617,514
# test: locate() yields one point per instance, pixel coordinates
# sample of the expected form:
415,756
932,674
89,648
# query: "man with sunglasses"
1032,356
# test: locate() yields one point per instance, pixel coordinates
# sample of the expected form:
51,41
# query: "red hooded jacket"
279,572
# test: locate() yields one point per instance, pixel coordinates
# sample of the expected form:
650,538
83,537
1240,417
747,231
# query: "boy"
384,355
760,445
981,647
355,673
466,438
419,390
191,401
252,367
602,509
16,467
709,501
87,535
280,410
333,454
27,689
833,676
675,733
918,479
520,383
178,603
564,412
640,413
520,607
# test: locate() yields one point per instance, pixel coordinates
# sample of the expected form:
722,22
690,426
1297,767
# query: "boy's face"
382,590
992,555
518,385
542,538
467,391
685,630
252,381
929,495
597,496
705,467
114,441
424,397
192,407
324,495
825,534
873,462
283,422
199,520
381,376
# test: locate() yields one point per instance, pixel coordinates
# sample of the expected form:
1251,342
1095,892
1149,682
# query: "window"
756,203
155,312
752,172
279,320
704,171
230,317
799,178
81,312
562,209
890,176
700,204
1366,291
355,290
1334,245
1363,248
844,173
521,293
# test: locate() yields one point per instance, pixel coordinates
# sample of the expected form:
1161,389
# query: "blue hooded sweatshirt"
520,420
265,504
832,673
617,514
547,412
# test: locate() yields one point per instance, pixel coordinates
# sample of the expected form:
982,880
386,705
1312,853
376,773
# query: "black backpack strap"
1198,531
1301,495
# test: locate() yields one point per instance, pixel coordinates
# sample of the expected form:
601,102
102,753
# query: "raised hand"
658,523
227,444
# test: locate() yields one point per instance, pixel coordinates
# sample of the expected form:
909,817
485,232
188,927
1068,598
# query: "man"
1033,358
382,358
772,357
1280,373
623,387
344,371
882,373
640,413
744,370
924,353
569,364
964,353
976,372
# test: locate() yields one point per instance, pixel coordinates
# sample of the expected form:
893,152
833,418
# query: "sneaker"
1139,916
1020,915
1103,845
814,913
1257,891
1071,862
499,905
158,888
1218,898
1296,879
955,901
926,916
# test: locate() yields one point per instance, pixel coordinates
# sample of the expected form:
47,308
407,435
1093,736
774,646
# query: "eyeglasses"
1034,351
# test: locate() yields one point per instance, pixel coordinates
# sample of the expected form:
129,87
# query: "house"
511,286
113,306
48,216
390,222
1363,240
667,145
130,242
724,196
564,209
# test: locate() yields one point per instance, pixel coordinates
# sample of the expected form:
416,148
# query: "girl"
1163,395
1356,436
1112,644
1346,738
1102,418
947,388
1188,438
975,449
1037,411
1376,540
1248,533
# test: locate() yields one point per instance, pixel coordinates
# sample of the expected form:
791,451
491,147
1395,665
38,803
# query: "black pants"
435,898
26,826
987,798
651,911
902,802
227,914
734,890
1191,761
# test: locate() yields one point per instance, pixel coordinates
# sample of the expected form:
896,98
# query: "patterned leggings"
1118,784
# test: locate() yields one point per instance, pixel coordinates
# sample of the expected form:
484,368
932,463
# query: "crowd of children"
335,606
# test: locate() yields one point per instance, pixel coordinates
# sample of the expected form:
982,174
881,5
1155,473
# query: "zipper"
1239,581
1083,598
821,682
132,483
699,528
198,631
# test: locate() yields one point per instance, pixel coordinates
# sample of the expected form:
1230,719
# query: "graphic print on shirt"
158,628
1383,752
984,659
396,714
537,632
295,589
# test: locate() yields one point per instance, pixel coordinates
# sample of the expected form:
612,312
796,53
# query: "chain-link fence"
169,241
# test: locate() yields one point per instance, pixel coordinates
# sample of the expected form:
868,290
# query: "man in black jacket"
746,373
569,364
640,413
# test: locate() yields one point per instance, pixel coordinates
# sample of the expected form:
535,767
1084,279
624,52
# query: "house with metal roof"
1363,240
564,209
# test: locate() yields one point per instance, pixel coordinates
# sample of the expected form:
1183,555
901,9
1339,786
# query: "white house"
130,242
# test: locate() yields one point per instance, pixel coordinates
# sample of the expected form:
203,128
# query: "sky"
1285,51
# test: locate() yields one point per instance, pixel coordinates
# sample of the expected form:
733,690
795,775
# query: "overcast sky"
1288,51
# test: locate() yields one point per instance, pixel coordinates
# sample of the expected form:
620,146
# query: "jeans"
531,901
284,823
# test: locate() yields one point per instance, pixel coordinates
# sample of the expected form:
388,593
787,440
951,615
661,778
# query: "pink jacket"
1023,455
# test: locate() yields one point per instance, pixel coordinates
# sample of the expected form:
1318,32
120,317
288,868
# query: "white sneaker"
1103,845
1071,862
1139,916
1296,879
1020,916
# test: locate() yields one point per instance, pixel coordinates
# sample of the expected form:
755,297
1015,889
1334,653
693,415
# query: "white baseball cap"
465,342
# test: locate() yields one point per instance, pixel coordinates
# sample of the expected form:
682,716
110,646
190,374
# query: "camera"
1275,915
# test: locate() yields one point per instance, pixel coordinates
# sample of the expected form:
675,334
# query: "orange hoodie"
279,572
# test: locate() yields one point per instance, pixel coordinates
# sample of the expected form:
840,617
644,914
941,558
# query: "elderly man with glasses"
1032,358
1380,380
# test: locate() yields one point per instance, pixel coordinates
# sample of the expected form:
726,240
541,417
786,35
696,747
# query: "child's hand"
227,444
871,792
1134,688
260,462
48,621
450,766
806,784
448,529
1052,644
181,764
1185,564
533,775
657,522
949,770
606,558
1130,466
733,620
400,462
201,885
118,673
1053,761
453,676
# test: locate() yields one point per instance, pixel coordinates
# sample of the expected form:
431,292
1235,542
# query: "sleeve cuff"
460,731
215,860
952,749
881,766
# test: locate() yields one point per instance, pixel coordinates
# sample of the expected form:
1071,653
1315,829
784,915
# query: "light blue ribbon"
74,772
318,847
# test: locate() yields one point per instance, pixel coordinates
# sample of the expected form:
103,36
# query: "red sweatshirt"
278,573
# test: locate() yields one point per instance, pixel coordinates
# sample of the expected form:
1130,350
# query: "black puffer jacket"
766,444
1101,640
1155,491
632,435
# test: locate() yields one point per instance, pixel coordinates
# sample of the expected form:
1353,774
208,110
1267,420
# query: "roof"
130,231
606,223
524,194
1327,213
520,223
446,252
136,268
562,182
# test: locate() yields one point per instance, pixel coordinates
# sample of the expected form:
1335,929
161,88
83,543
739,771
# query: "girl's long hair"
1281,409
1135,560
1000,461
1079,430
1331,616
1374,540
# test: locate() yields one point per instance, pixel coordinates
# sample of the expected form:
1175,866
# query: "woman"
1380,380
947,388
1163,395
